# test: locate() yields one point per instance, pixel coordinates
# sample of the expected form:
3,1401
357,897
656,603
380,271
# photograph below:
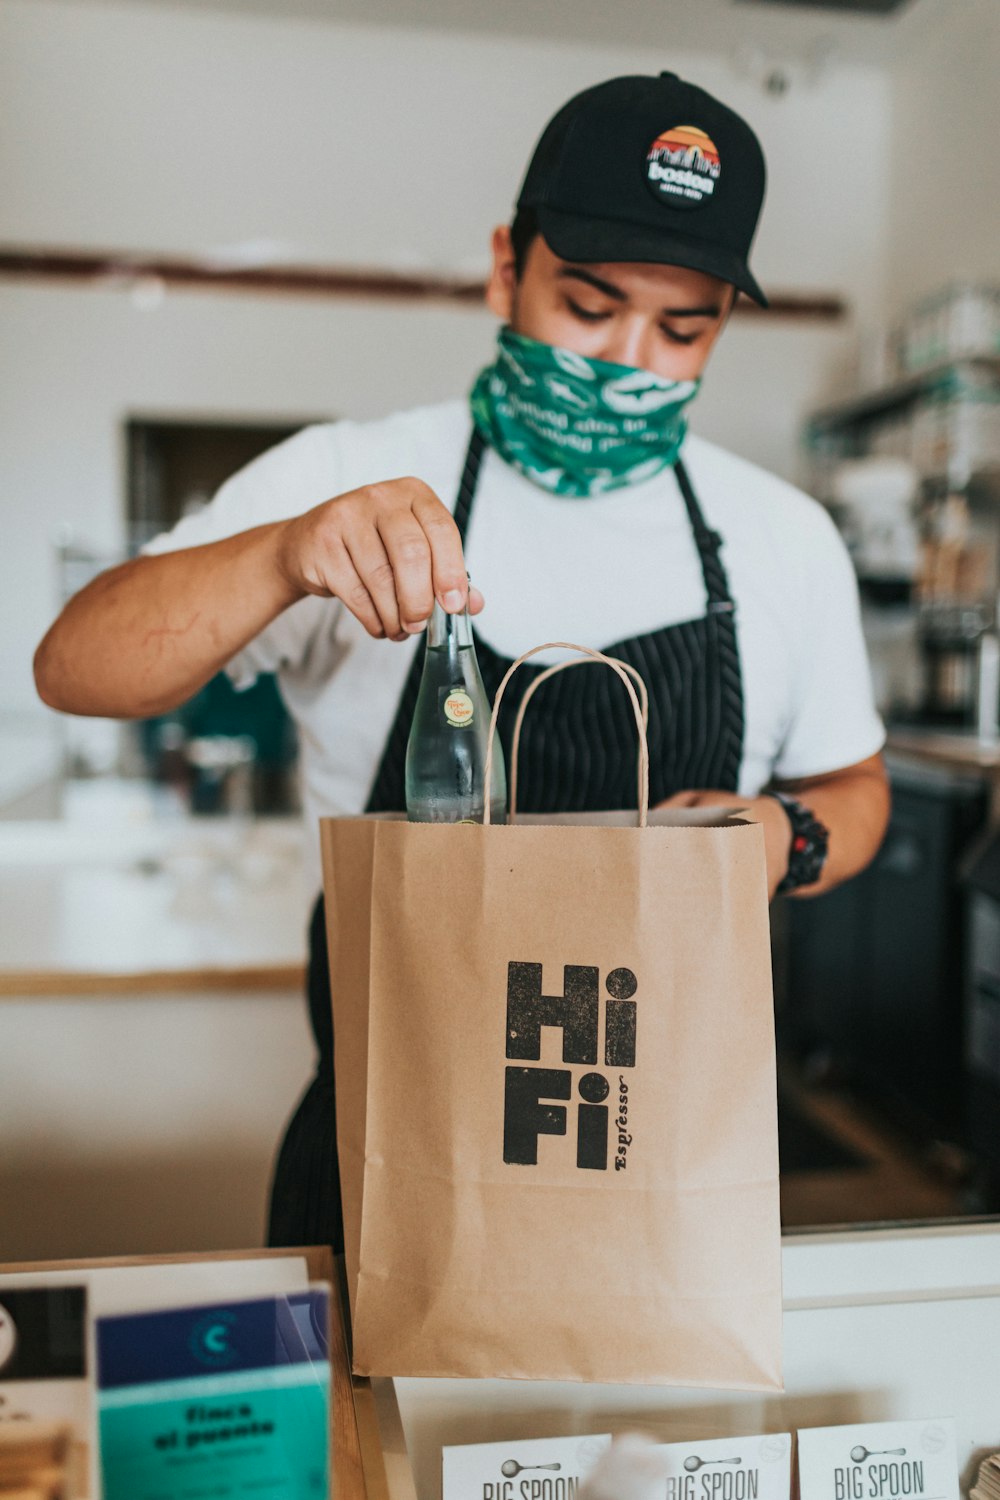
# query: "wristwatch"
810,842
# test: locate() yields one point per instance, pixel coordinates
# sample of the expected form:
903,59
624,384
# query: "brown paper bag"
556,1097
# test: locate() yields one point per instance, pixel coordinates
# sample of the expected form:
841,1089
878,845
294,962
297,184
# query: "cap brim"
573,237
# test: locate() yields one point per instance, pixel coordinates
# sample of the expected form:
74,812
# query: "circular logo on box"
459,708
934,1438
8,1337
683,167
774,1447
210,1340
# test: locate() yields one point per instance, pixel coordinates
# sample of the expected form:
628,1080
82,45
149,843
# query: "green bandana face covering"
578,426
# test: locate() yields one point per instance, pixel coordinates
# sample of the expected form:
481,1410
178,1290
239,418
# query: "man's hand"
767,811
145,636
853,803
387,551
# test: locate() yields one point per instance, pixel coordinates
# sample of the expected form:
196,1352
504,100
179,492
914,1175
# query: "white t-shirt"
592,571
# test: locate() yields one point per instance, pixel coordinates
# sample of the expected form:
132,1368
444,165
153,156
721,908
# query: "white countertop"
170,904
30,754
955,746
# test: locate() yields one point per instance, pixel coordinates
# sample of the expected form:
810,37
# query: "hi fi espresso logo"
530,1093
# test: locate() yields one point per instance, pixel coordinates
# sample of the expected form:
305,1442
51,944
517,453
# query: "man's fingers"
450,581
409,554
710,797
387,551
349,589
375,578
331,572
680,799
476,601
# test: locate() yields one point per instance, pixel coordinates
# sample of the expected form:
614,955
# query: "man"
584,514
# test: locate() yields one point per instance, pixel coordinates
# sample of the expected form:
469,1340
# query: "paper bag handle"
543,677
621,671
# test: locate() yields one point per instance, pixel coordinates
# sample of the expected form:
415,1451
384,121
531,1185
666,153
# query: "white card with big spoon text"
742,1468
879,1461
531,1469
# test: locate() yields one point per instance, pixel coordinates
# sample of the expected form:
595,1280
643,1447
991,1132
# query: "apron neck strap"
707,541
469,480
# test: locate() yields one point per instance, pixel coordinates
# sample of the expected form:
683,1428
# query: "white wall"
140,126
945,200
87,359
150,129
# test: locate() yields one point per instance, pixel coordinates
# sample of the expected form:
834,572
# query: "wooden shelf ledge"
27,983
126,270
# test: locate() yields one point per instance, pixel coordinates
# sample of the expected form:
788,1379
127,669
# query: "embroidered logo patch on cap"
683,167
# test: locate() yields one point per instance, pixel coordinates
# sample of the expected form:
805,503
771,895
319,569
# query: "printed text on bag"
530,1093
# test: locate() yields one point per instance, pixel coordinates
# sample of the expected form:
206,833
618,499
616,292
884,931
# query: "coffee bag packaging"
523,1469
742,1468
226,1399
880,1461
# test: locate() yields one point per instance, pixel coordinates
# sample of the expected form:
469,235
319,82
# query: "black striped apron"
577,755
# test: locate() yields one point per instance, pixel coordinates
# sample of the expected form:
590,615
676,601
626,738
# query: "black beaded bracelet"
809,846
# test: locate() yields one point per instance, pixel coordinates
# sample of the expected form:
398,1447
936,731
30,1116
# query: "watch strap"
809,846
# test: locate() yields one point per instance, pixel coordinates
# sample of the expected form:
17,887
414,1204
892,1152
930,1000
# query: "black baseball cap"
651,170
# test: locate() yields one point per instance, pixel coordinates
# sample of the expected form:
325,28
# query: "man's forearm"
854,806
143,637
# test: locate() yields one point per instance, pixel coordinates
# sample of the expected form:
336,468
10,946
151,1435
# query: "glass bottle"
446,751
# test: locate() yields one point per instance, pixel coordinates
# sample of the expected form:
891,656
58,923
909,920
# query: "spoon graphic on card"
859,1454
694,1462
510,1467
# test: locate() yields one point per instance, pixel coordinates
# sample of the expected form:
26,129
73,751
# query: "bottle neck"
451,631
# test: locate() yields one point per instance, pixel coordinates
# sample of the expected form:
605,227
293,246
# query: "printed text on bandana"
578,426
